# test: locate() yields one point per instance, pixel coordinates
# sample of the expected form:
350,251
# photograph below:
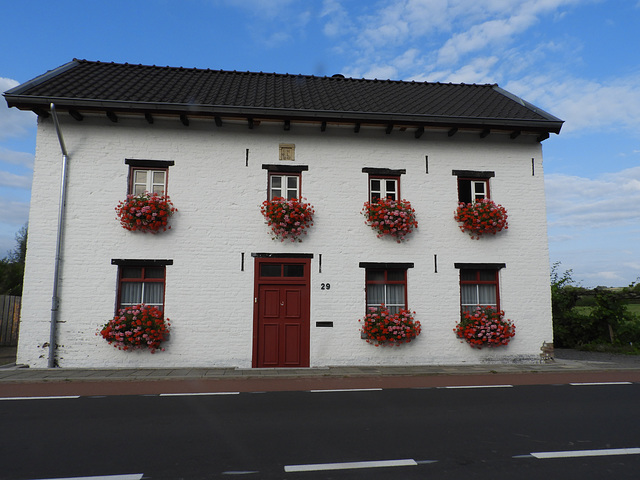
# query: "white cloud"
579,203
8,179
13,213
13,122
16,158
585,105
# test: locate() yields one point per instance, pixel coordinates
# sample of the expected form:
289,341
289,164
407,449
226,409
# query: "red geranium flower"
481,217
146,212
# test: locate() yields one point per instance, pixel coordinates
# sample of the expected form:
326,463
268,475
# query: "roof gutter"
55,301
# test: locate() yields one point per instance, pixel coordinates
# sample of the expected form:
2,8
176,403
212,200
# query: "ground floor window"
386,284
141,282
479,287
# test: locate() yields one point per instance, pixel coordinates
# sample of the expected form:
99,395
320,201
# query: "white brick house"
218,138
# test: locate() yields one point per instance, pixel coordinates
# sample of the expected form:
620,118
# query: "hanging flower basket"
136,327
390,217
288,219
383,328
485,327
146,212
481,217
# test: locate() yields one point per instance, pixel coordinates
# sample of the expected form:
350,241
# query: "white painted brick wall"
210,300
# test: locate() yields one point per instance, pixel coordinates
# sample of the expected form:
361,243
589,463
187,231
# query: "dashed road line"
599,383
41,398
407,462
347,390
587,453
477,386
128,476
197,394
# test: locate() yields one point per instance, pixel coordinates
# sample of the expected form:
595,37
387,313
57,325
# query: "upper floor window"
383,183
152,181
148,176
284,181
141,281
472,185
381,187
479,286
285,186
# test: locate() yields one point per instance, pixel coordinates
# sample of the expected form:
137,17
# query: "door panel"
292,302
292,339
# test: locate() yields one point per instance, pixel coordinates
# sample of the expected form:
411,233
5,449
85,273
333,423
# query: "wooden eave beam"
323,126
485,133
287,125
389,128
184,119
356,128
250,123
419,132
76,114
112,116
515,134
149,118
452,132
218,121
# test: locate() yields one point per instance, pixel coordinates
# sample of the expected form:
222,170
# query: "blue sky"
577,59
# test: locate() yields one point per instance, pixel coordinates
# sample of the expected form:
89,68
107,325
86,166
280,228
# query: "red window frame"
480,278
150,171
466,190
149,166
143,278
284,191
385,282
384,178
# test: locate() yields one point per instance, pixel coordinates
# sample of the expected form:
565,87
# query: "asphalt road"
498,432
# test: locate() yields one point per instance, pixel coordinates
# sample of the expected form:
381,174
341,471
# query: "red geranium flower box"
146,212
486,327
136,327
288,219
481,217
380,327
390,217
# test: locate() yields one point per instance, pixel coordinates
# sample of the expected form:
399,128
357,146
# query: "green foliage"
570,327
592,317
12,266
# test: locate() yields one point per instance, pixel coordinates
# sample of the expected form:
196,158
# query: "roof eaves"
28,102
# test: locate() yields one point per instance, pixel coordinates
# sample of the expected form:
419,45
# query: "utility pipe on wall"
55,301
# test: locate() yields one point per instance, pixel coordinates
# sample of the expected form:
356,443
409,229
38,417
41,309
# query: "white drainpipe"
55,301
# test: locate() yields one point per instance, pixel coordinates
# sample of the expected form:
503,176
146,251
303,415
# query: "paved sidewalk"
16,381
15,374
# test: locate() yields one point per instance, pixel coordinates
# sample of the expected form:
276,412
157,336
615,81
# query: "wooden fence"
9,320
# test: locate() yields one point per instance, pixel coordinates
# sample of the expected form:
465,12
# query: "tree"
12,266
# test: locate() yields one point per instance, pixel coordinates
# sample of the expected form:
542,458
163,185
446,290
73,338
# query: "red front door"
281,323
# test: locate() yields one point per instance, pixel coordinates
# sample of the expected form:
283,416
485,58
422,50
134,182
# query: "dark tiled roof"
82,84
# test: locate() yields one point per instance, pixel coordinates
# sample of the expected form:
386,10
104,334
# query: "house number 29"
325,286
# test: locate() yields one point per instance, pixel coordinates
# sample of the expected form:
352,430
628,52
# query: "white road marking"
40,398
348,390
409,462
197,394
128,476
478,386
587,453
600,383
